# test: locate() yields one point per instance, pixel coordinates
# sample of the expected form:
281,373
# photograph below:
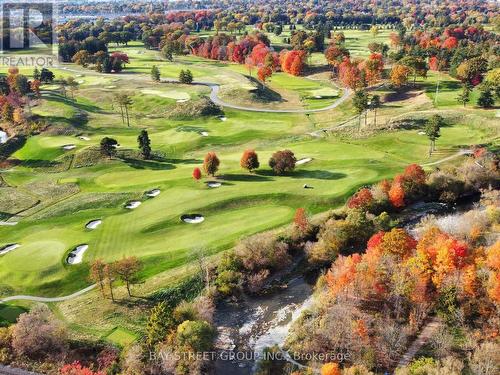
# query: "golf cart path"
451,157
49,299
214,93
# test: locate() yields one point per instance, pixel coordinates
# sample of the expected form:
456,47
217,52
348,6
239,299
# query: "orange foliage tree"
399,75
330,368
397,193
362,199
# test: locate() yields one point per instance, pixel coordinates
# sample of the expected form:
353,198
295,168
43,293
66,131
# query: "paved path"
49,299
427,332
454,156
214,93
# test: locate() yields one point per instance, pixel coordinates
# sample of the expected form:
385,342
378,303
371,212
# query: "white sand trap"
76,256
153,193
81,82
193,219
133,204
68,147
421,133
222,118
213,184
93,224
84,138
303,161
204,134
79,75
182,100
8,248
8,223
318,97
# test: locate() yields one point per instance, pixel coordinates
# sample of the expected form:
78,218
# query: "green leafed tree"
464,96
108,146
486,99
155,74
433,131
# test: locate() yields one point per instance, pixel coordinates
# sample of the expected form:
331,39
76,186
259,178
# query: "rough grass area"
9,314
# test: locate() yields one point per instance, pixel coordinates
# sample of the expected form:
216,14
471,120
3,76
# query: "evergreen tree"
155,74
158,324
464,96
485,99
7,112
36,74
144,144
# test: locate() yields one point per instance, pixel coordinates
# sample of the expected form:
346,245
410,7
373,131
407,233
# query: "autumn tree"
76,368
144,144
362,199
38,334
396,193
7,112
264,73
334,55
109,271
211,164
98,273
330,368
399,75
197,174
282,162
433,131
127,269
300,220
249,160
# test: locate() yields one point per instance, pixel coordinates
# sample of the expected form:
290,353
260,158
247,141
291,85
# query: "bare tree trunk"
110,284
128,118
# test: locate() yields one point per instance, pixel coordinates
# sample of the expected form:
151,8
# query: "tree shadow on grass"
36,163
318,174
246,177
148,164
183,161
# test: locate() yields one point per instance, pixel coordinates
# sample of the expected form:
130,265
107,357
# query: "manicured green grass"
356,41
83,187
121,337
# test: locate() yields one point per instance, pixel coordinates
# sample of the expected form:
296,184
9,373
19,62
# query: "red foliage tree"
264,73
211,163
362,199
450,43
249,160
350,74
197,173
76,368
397,193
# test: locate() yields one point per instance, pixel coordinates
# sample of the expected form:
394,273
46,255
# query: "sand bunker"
76,256
93,224
84,138
81,82
8,223
153,193
303,161
222,118
182,100
133,204
204,134
318,97
213,184
193,218
68,147
8,248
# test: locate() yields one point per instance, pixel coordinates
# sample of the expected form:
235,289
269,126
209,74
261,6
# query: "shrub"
196,335
262,251
194,108
211,163
48,338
